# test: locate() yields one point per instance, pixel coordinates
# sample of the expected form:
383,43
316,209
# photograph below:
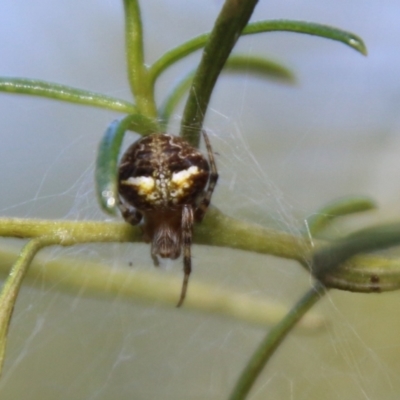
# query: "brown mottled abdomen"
162,171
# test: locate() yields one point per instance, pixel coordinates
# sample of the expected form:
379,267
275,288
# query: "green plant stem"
118,282
308,28
55,91
141,86
359,274
68,233
227,29
12,285
216,229
272,341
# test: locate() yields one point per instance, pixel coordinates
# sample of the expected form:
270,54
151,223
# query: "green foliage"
331,263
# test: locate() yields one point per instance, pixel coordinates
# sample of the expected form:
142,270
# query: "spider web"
281,153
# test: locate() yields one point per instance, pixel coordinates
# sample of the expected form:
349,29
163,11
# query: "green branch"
68,233
12,285
35,87
272,341
227,29
359,274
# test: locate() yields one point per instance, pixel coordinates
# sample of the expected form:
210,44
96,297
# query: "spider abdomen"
162,171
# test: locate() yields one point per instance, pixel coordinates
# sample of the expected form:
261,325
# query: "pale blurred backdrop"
283,151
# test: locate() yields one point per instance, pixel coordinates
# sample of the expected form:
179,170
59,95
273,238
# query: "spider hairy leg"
129,213
205,202
187,227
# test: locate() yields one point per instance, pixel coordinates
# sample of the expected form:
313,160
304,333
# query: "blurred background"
282,151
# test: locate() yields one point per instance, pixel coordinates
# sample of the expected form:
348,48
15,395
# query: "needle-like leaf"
309,28
338,208
107,157
55,91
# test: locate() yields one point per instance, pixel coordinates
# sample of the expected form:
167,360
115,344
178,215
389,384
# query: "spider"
162,181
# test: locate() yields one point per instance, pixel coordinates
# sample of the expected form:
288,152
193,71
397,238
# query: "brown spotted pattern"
162,171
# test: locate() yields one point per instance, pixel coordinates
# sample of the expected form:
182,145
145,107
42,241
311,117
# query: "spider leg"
155,258
205,202
129,213
187,229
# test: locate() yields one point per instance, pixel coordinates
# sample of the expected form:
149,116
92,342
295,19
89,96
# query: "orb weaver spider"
161,181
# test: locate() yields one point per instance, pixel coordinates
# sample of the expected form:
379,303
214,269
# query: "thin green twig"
12,285
55,91
227,29
272,341
141,86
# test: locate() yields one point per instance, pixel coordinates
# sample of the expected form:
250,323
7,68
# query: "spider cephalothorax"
162,180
